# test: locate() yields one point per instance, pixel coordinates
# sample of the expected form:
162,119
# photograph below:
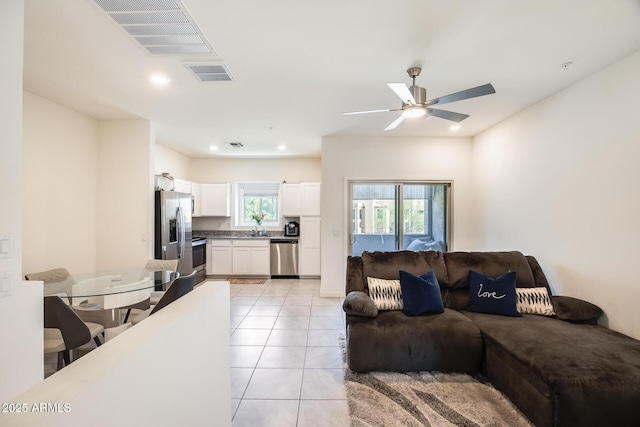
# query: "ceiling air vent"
236,144
210,72
162,27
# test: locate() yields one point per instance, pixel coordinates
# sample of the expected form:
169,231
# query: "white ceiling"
299,65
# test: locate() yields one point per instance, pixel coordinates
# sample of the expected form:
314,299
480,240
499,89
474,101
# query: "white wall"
353,158
21,358
560,181
173,369
176,164
125,193
60,170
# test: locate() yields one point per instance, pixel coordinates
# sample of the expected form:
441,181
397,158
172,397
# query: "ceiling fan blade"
403,92
365,112
395,123
448,115
465,94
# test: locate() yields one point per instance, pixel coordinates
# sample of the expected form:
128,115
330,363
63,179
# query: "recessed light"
455,128
282,147
213,148
159,79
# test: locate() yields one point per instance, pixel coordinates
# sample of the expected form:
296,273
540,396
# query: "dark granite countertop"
236,234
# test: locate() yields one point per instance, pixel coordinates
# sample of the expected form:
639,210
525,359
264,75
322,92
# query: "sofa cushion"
493,296
386,294
386,265
590,372
534,301
420,294
392,341
492,264
357,303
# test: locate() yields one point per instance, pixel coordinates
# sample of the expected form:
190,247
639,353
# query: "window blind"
260,189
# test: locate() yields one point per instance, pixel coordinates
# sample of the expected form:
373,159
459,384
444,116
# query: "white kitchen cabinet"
309,246
251,257
260,261
290,194
239,257
309,198
181,186
196,199
215,199
241,260
220,257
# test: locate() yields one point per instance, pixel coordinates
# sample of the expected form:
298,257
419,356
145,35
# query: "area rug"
427,399
239,281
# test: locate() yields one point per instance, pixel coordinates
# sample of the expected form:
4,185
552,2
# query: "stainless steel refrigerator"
173,229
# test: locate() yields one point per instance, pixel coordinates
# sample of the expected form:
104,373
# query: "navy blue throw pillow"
420,294
493,296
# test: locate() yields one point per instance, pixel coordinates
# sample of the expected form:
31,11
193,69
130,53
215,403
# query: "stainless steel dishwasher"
284,257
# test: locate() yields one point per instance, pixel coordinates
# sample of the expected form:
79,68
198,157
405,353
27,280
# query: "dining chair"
152,265
65,331
52,277
177,289
162,264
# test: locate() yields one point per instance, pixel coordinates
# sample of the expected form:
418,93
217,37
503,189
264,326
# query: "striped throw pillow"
386,294
534,301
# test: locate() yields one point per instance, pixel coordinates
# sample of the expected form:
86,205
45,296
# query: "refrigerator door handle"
180,225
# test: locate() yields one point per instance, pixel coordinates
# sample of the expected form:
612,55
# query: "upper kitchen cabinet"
181,186
290,194
309,199
215,199
301,199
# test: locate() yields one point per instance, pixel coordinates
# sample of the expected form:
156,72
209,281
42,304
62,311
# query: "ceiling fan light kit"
415,103
413,111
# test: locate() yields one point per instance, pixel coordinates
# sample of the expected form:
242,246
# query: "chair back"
50,276
162,264
59,315
177,289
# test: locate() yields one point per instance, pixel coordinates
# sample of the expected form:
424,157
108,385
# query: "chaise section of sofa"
561,373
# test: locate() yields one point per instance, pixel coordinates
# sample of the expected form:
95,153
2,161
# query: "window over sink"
256,199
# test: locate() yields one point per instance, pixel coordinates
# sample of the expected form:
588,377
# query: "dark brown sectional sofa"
560,371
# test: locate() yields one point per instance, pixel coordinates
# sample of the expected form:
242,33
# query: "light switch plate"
6,283
6,246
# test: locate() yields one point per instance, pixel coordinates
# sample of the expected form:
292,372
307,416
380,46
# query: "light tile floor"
286,361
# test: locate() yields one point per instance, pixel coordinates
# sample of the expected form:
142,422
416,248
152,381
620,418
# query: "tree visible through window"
268,206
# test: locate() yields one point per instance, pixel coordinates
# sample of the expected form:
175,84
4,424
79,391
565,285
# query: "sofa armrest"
358,303
575,310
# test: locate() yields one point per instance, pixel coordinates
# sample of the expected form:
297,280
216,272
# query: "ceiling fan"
414,103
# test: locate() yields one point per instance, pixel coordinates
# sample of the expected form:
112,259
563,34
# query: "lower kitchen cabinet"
240,257
309,246
221,256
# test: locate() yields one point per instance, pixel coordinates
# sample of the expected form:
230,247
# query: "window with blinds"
257,200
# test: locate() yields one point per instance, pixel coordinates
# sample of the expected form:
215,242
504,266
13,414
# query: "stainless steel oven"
199,254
